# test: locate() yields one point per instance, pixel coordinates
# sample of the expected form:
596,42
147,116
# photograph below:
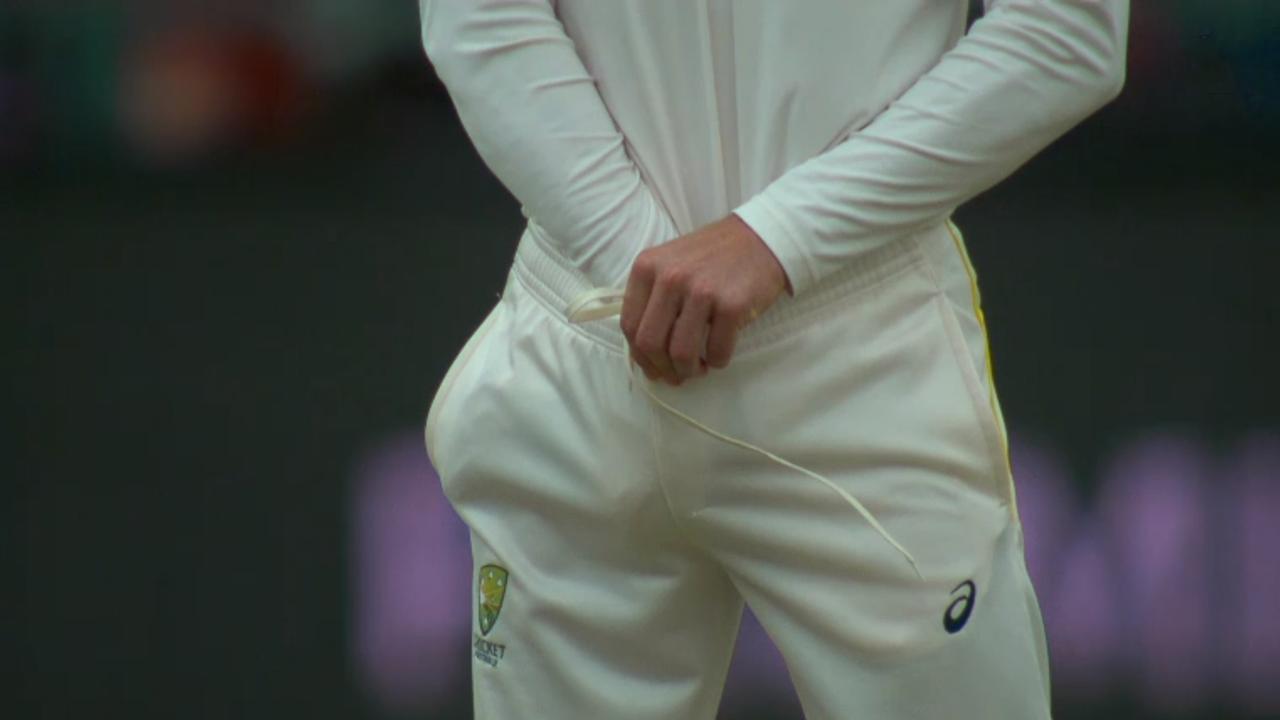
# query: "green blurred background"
247,239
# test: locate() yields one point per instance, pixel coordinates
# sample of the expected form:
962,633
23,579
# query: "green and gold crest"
493,587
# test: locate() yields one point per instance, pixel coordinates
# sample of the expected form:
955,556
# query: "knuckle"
673,277
646,264
702,293
732,309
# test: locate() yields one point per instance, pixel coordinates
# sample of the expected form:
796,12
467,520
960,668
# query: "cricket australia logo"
493,588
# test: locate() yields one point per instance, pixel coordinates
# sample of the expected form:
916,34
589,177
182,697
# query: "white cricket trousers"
615,542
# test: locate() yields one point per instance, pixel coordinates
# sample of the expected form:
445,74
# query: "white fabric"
844,132
830,126
632,540
602,303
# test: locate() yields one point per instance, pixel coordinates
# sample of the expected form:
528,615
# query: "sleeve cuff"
777,235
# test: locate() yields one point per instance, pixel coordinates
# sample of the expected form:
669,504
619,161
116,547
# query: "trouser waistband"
556,282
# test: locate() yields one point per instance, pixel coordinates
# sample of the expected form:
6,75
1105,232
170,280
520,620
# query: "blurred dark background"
245,240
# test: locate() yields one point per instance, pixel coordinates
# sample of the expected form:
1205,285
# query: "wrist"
740,226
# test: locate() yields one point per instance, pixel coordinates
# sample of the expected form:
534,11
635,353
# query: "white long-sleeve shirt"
830,126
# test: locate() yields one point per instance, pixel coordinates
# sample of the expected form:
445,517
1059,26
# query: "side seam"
1002,431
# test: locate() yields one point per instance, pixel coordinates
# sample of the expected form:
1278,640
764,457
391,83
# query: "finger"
655,330
656,369
646,367
636,297
689,335
723,335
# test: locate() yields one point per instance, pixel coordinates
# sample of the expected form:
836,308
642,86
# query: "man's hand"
686,300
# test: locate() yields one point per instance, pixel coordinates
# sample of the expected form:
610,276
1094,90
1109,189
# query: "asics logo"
957,614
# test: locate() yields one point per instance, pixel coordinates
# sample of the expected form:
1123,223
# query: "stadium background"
245,241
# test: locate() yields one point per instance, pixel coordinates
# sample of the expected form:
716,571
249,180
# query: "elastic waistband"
553,279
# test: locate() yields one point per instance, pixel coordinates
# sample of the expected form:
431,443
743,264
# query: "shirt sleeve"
538,121
1026,73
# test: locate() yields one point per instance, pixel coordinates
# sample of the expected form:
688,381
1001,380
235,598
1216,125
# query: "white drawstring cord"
607,302
600,303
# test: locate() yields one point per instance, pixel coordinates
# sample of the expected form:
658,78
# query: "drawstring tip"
906,554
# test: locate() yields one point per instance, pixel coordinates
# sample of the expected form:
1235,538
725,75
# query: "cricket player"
740,356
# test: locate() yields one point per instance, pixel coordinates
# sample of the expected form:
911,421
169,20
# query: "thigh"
880,397
589,602
638,637
994,667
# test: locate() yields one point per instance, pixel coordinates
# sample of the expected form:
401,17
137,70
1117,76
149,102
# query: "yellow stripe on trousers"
991,377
